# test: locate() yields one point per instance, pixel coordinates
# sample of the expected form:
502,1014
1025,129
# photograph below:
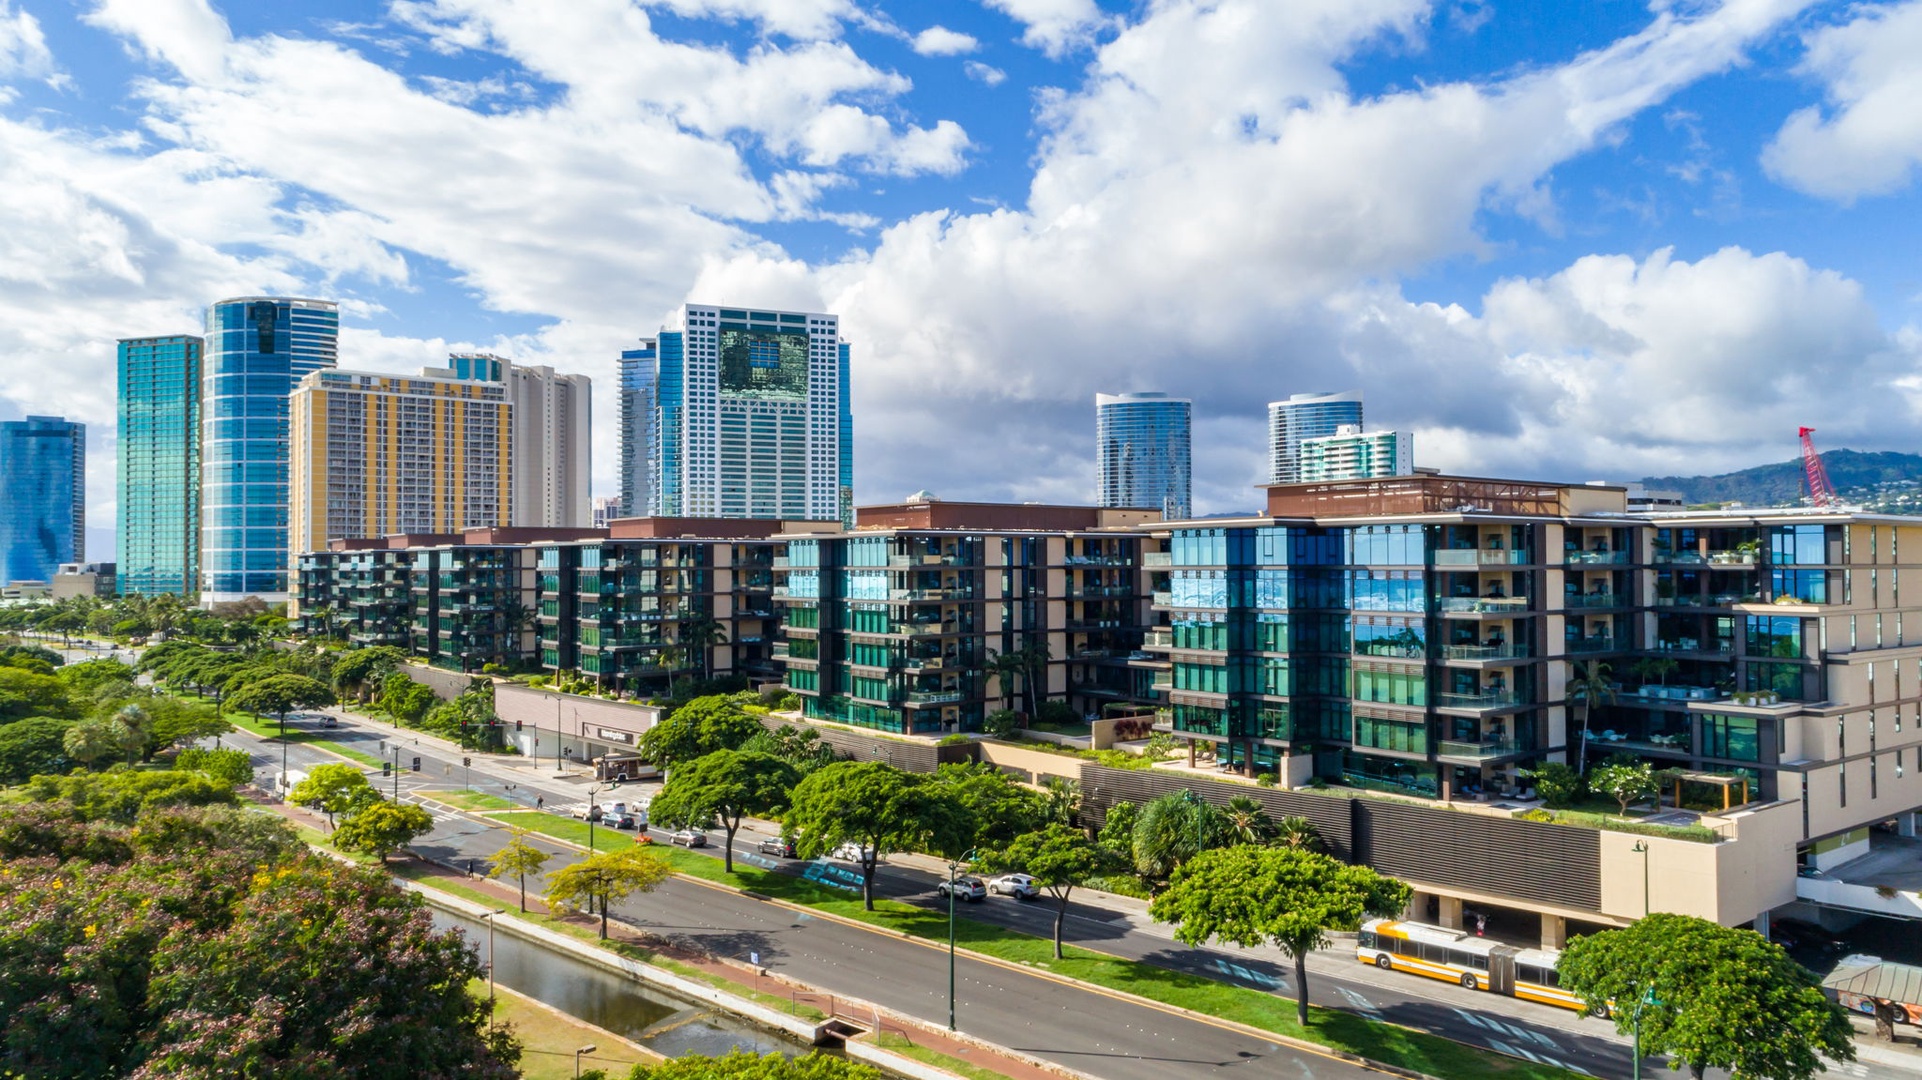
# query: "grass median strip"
896,1042
1336,1030
568,829
271,730
472,800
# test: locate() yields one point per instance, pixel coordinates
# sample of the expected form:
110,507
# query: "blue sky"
1557,241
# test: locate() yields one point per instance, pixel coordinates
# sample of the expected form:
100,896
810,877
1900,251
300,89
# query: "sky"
1554,241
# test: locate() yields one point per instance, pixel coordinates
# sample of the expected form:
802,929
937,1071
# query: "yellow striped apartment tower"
376,455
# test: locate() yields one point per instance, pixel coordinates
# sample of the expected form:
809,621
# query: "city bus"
1477,963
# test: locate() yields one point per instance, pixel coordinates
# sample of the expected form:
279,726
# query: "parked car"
852,852
618,819
1019,886
777,847
971,889
688,838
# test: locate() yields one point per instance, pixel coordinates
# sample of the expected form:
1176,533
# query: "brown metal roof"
1885,982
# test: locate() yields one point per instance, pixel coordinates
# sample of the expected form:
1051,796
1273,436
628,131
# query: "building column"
1554,932
1764,924
1451,912
1905,823
1417,909
1191,753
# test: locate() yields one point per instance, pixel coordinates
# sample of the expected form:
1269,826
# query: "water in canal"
609,1001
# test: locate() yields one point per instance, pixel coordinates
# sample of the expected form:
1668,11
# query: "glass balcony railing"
1476,750
1157,560
1596,558
935,697
1480,557
1486,699
1517,651
1602,643
1158,639
1481,604
1593,600
1164,599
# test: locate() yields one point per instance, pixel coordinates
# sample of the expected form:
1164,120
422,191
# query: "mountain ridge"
1878,479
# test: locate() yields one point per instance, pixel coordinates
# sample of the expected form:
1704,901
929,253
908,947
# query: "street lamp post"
283,754
592,791
953,866
557,735
489,918
1641,848
1648,998
577,1059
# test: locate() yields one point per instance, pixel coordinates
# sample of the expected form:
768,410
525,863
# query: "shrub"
1537,814
1131,728
1266,779
1557,784
1056,714
955,739
1001,723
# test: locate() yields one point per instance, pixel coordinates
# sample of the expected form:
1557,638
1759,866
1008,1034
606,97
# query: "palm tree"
1006,667
1297,832
1248,821
1589,685
1658,668
701,634
1035,657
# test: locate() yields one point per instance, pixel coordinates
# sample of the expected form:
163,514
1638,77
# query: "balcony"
1486,699
1157,560
1099,592
1482,605
779,651
1517,651
780,562
1158,639
923,663
1680,558
935,697
1162,684
1164,599
1593,600
1696,645
1596,558
957,592
1599,644
1475,751
1731,558
1480,557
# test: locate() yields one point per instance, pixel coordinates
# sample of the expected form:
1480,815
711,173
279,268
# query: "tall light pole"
557,735
577,1060
593,790
953,866
1641,848
1648,998
489,919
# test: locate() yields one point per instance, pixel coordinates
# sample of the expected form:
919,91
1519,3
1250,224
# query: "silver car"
1019,886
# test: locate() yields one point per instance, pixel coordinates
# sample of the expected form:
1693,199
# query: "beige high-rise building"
550,466
375,455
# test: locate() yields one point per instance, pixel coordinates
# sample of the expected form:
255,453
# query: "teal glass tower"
257,348
1143,444
43,497
158,539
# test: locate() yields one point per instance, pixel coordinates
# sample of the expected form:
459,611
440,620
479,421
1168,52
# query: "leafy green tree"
698,728
123,795
606,877
177,723
378,827
1715,997
1059,858
1173,829
1588,686
742,1065
1286,897
90,740
879,808
801,747
98,680
726,785
1061,800
519,858
1118,830
404,699
231,767
131,726
1625,781
1000,808
333,788
252,838
1557,784
281,694
29,693
31,747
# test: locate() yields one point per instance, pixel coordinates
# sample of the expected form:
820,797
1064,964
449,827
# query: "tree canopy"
698,728
606,877
280,694
1173,829
743,1065
878,807
333,788
377,827
726,785
1283,896
520,859
999,808
1059,858
1718,997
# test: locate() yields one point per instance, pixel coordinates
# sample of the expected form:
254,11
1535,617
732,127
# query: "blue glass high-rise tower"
257,348
158,539
1143,444
43,497
1306,416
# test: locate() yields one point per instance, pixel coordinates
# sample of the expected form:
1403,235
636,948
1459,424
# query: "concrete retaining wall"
587,726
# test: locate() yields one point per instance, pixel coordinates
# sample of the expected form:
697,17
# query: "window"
1733,737
1380,733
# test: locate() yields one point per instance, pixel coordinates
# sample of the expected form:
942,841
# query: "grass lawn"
550,1038
568,829
901,1044
473,800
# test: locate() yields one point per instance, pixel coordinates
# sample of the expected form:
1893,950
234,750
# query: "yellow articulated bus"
1477,963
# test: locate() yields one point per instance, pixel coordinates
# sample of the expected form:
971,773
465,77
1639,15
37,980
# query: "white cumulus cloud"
941,41
1869,140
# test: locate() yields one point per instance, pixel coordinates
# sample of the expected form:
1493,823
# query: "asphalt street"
1082,1028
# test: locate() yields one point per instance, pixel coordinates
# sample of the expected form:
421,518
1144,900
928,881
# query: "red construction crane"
1821,492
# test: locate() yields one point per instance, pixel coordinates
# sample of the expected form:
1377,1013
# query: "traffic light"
466,761
416,764
517,725
386,768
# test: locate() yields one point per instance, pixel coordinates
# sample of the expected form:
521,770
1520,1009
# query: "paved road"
1073,1026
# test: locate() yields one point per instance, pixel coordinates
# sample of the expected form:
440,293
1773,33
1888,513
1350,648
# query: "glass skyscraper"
1305,416
1143,443
159,449
740,414
43,497
257,348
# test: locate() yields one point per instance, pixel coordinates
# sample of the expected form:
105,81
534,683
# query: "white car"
1019,886
852,852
